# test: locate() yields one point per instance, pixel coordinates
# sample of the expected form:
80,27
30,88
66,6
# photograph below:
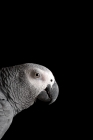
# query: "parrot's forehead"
39,67
32,65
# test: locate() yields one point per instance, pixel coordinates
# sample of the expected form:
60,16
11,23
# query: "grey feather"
6,115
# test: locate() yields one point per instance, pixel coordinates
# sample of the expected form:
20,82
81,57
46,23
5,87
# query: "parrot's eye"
37,75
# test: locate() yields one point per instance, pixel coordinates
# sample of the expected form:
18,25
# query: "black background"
49,43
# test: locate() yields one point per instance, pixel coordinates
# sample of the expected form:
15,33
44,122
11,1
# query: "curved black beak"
49,94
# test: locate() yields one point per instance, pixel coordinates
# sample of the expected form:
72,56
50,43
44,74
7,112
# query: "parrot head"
44,83
24,84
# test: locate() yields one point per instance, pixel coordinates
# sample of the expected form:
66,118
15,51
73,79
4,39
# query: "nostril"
51,80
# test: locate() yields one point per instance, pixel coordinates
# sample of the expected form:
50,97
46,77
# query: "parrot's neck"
12,103
15,107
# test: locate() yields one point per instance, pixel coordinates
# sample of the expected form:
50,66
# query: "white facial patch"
46,77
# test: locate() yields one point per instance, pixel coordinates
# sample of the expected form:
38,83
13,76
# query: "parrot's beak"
49,94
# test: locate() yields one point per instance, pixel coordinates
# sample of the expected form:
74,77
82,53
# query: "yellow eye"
37,75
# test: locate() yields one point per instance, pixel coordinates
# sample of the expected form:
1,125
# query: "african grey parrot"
20,87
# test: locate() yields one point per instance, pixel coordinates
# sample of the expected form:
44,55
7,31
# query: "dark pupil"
37,74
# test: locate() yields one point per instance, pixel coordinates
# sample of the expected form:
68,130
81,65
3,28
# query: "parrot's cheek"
49,94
